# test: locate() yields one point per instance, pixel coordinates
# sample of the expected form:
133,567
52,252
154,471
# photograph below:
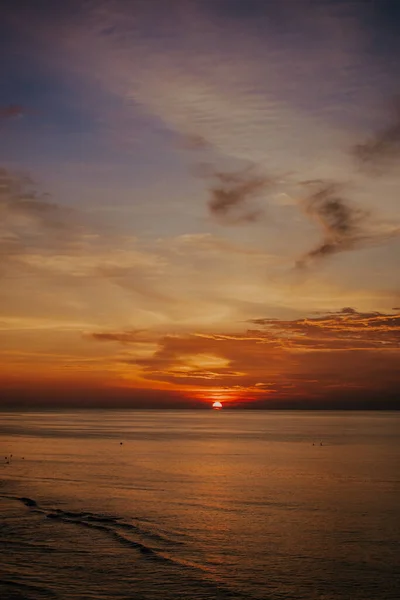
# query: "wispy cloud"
216,246
45,234
382,149
344,226
66,254
341,223
29,219
231,196
19,195
247,100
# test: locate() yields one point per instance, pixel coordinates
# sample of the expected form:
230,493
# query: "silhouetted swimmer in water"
320,443
121,443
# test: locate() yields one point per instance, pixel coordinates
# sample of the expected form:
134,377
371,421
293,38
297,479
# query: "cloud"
341,224
60,249
198,359
11,111
230,197
255,100
29,220
340,330
344,226
26,209
195,142
18,193
382,149
218,247
309,357
124,337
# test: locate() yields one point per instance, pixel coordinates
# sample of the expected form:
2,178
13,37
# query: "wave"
112,525
152,546
27,501
23,588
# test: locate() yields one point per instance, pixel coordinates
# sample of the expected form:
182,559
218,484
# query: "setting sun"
217,405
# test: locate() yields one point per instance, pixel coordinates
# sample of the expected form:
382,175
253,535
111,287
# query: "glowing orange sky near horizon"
342,352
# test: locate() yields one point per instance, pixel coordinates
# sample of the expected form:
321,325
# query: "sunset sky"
199,201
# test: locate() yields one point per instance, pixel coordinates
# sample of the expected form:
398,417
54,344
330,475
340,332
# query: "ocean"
265,505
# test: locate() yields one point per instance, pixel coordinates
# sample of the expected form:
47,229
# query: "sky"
199,201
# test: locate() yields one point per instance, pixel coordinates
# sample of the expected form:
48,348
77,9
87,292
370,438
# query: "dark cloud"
347,310
383,148
232,193
342,224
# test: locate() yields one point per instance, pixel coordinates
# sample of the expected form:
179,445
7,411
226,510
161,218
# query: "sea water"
200,505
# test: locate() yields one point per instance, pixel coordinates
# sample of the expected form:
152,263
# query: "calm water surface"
200,505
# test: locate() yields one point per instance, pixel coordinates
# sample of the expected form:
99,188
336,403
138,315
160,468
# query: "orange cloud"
343,330
317,356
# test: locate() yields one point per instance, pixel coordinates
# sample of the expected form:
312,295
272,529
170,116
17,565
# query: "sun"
217,405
